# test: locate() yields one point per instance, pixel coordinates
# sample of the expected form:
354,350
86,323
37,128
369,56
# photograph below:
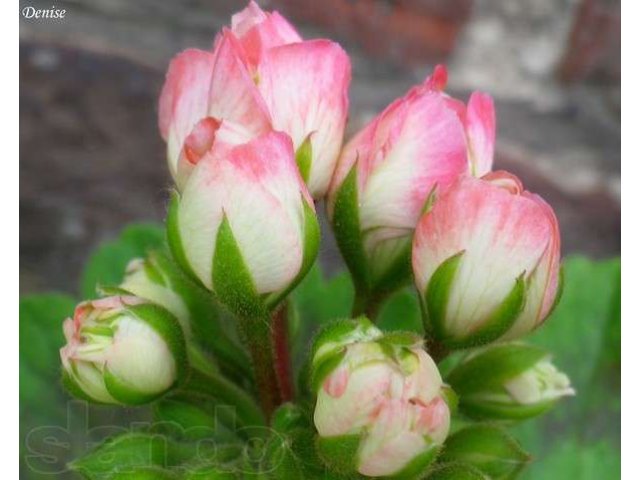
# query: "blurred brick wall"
408,31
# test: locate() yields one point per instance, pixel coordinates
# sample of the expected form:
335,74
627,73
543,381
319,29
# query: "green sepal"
492,366
304,157
231,280
125,393
311,244
450,398
481,409
323,368
436,296
74,389
437,299
339,453
110,291
174,239
418,467
401,339
488,448
341,332
502,318
456,471
346,227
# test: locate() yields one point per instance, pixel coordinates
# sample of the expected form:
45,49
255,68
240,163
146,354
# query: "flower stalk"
228,393
256,335
280,339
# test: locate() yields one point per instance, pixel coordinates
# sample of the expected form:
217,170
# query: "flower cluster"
254,130
385,390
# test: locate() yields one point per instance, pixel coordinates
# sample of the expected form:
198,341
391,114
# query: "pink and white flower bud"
122,350
393,401
250,201
208,98
541,383
486,260
304,84
261,74
416,144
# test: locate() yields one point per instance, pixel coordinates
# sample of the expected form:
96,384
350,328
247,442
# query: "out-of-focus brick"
409,31
593,48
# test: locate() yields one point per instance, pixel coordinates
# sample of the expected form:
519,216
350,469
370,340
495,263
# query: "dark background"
92,160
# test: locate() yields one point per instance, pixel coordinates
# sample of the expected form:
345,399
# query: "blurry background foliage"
577,439
92,161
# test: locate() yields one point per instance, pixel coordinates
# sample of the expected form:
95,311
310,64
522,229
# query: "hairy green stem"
280,338
367,304
256,334
227,393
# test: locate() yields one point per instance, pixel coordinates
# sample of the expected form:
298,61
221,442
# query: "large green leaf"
106,266
41,337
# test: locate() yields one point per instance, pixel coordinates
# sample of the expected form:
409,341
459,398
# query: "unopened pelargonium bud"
509,381
245,225
122,350
261,74
486,260
379,396
385,177
208,99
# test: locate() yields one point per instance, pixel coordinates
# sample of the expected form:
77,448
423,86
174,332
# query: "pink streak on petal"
336,383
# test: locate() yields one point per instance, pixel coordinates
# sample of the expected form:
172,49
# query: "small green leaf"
488,448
